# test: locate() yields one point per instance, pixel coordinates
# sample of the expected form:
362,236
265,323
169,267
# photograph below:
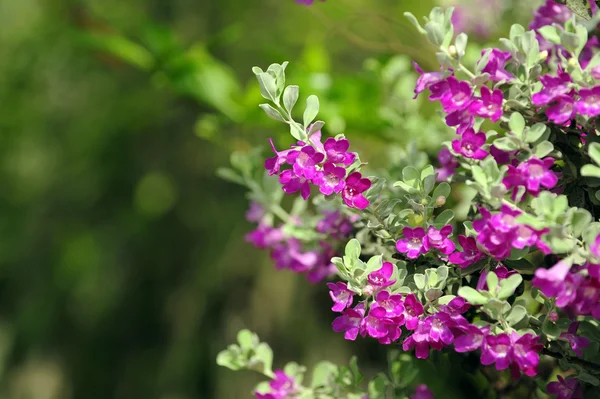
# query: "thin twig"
574,360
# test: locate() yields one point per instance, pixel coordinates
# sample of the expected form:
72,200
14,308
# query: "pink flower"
380,278
337,151
282,386
331,179
304,161
422,392
463,119
458,97
426,79
393,305
352,193
412,243
340,294
589,102
274,164
471,254
577,342
439,240
350,322
496,65
595,247
561,112
469,145
292,183
448,164
532,174
413,309
565,388
554,88
378,326
489,105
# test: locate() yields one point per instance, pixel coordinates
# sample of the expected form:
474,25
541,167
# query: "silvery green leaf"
516,30
419,281
444,59
315,127
416,24
570,41
311,111
543,149
411,176
580,8
257,71
323,373
550,33
483,61
517,124
435,32
461,44
535,132
582,35
507,143
588,378
353,249
590,171
268,86
290,96
272,112
444,218
433,293
580,219
594,152
247,339
551,330
428,184
442,190
509,285
492,281
479,176
444,300
517,313
374,263
472,296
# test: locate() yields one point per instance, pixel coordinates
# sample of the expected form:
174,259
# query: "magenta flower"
433,331
337,151
340,294
422,392
595,247
501,157
282,386
550,12
532,174
556,282
412,243
561,112
292,183
304,161
495,239
426,79
554,88
413,309
448,165
274,164
376,325
439,240
470,339
565,388
469,145
350,322
352,193
504,349
489,105
589,102
496,65
289,255
393,305
470,254
380,278
458,97
335,224
331,179
577,342
264,236
463,119
255,213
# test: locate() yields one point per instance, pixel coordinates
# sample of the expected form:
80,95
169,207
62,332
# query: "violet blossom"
413,242
350,321
469,255
439,240
489,105
352,193
381,277
340,294
565,388
337,151
469,145
331,179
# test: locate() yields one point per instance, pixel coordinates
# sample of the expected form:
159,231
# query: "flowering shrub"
516,282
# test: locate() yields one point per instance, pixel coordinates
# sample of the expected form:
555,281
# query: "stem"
280,213
574,360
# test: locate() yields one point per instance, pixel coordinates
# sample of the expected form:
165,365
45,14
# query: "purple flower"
504,349
501,157
577,342
393,305
426,79
550,12
292,183
304,161
264,236
463,119
439,240
350,322
469,145
554,88
413,309
496,64
337,151
422,392
458,97
281,387
489,105
500,271
595,247
340,294
532,174
565,389
433,331
555,282
494,238
448,164
274,164
255,213
412,243
470,339
331,179
561,112
335,224
470,254
589,102
380,278
352,193
376,325
289,255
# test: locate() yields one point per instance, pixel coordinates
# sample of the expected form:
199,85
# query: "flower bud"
573,62
440,201
452,50
553,316
543,55
368,290
423,202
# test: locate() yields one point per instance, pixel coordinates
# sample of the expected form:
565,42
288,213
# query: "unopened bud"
368,290
543,55
423,202
452,50
553,316
440,201
573,62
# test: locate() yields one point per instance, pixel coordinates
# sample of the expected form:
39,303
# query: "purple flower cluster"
422,392
448,165
281,387
565,388
469,255
574,292
531,174
416,241
477,16
499,233
289,253
322,164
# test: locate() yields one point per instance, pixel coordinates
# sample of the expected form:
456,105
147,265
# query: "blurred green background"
123,269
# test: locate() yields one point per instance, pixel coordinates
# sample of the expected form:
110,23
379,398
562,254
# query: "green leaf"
290,96
268,86
517,124
264,358
323,373
509,285
413,20
247,339
492,281
311,111
230,175
297,131
550,33
461,44
594,152
411,176
428,184
226,358
444,218
272,112
551,330
535,132
378,386
472,296
444,300
479,176
374,263
442,190
516,314
580,219
506,143
419,281
353,249
542,149
588,378
435,32
516,253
